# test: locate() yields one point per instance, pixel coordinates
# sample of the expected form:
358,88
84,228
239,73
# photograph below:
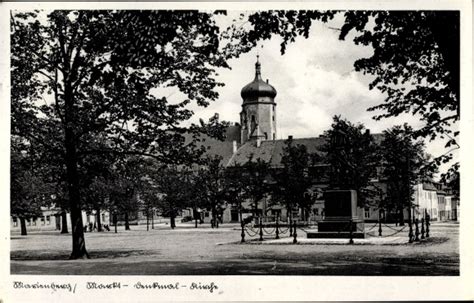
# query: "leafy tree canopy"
404,164
415,59
352,154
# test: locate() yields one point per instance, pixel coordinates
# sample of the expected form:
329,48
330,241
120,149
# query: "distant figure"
85,228
95,226
106,227
90,226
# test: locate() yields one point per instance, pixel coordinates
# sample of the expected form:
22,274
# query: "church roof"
258,87
271,151
216,147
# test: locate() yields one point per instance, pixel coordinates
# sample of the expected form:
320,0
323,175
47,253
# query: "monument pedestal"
340,208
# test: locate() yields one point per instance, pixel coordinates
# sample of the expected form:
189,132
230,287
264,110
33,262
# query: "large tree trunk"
99,222
214,218
127,224
152,219
64,223
23,226
195,215
78,240
401,218
147,221
172,219
57,221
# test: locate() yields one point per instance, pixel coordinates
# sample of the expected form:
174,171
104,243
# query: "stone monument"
340,208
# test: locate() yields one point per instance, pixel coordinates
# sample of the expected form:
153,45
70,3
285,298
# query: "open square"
206,251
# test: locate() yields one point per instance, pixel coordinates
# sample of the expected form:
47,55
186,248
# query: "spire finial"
257,68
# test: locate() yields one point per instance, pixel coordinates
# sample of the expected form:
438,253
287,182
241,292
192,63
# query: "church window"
266,136
273,136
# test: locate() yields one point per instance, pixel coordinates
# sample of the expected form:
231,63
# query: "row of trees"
82,86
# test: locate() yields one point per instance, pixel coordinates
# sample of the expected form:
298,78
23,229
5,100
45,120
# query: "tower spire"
258,74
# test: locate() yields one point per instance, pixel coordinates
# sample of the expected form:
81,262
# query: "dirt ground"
206,251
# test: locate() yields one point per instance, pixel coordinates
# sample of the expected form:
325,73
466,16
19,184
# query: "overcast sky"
315,80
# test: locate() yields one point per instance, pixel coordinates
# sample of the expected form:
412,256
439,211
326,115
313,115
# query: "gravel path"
189,251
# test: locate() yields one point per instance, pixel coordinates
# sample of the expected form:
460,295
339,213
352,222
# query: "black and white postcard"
236,151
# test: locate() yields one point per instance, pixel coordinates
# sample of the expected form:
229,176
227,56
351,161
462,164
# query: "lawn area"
190,251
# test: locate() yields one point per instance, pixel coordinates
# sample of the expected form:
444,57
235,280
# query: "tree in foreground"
99,67
175,190
210,187
292,182
404,165
30,189
352,154
251,180
415,60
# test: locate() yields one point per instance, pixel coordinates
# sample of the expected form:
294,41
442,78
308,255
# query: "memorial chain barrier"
276,227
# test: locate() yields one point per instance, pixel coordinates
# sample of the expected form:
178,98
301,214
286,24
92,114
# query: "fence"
272,225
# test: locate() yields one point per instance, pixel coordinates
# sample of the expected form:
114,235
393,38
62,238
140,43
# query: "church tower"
258,115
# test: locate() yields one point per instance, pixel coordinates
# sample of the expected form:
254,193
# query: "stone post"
294,233
417,231
422,228
277,232
351,236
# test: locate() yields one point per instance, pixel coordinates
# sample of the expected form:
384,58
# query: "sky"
315,80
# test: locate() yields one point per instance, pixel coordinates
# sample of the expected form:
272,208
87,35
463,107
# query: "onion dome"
258,87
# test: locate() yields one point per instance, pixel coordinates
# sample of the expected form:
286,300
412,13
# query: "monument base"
340,208
334,235
338,229
340,226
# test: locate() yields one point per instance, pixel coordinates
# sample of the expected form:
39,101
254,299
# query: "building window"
103,217
15,222
367,213
266,136
273,118
48,220
274,136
